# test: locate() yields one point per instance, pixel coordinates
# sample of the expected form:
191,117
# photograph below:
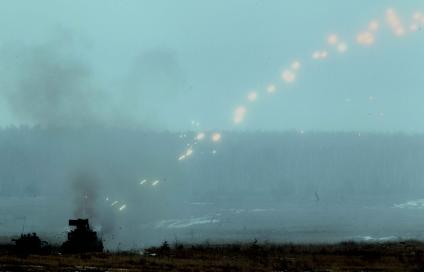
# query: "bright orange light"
271,88
295,65
394,22
239,114
332,39
373,26
319,55
189,152
216,137
288,76
200,136
252,96
365,38
342,47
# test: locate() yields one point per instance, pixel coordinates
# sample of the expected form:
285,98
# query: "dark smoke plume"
157,84
49,84
53,84
84,187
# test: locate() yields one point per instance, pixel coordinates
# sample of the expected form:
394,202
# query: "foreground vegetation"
347,256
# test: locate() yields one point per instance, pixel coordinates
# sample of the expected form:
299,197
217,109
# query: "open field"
346,256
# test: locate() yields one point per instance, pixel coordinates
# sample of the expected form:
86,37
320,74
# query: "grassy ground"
348,256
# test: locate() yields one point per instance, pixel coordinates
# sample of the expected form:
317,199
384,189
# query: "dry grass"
348,256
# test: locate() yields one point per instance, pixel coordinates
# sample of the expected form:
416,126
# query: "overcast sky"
162,64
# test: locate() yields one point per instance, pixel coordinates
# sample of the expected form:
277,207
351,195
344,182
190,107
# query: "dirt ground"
347,256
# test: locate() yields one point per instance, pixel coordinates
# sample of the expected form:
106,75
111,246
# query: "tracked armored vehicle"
30,244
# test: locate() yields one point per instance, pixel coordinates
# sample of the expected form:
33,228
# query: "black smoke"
53,84
50,84
85,192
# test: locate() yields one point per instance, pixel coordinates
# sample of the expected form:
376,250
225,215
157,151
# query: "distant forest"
263,165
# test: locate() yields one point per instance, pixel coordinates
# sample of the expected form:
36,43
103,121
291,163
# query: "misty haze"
221,121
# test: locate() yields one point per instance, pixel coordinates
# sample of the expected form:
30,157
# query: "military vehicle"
81,238
30,244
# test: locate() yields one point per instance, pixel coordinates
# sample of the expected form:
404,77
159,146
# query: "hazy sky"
162,64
